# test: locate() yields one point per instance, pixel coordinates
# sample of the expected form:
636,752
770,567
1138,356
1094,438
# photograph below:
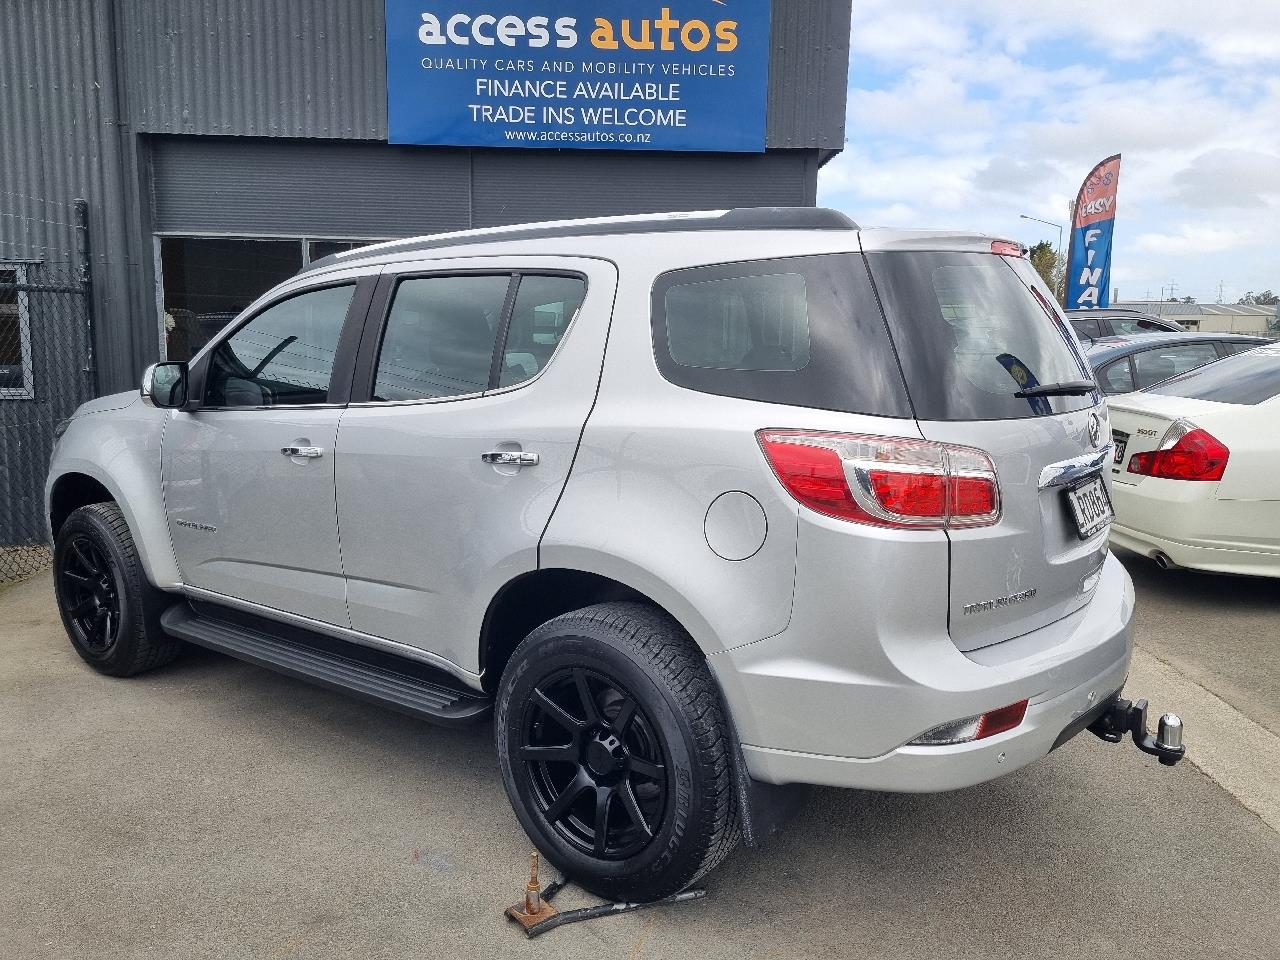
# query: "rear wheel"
110,611
614,751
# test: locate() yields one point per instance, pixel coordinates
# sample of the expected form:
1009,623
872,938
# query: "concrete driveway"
213,809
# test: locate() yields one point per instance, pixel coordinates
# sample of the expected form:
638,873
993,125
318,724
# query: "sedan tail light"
1186,453
885,481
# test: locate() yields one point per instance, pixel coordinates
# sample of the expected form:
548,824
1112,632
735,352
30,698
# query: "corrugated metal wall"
256,68
316,68
63,135
236,185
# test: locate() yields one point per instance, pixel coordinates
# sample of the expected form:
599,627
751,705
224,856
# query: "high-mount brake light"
1008,248
885,481
1186,453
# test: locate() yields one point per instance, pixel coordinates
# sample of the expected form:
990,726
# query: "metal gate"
45,373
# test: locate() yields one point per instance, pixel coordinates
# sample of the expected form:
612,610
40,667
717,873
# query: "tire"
649,736
109,610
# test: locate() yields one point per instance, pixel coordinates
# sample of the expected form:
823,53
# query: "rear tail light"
974,728
885,481
1186,453
1008,248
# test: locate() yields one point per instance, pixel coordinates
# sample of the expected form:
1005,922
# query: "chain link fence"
44,375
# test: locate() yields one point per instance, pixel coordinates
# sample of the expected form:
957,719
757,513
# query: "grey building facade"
222,144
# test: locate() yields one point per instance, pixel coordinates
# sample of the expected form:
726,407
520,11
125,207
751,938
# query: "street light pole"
1049,223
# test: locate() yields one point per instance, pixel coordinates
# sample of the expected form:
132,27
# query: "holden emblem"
1095,429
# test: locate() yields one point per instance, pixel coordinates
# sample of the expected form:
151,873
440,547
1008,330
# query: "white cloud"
967,114
1194,240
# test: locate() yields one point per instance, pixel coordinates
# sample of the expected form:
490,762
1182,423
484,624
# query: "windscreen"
970,334
1245,378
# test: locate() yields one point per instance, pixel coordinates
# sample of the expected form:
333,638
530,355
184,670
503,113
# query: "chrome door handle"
310,453
513,458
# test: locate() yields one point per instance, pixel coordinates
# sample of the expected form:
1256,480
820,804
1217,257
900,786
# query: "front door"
451,462
248,477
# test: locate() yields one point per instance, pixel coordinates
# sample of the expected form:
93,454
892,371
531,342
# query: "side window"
804,331
1152,366
440,337
1089,328
282,357
740,323
15,337
1130,325
1228,347
1116,377
543,309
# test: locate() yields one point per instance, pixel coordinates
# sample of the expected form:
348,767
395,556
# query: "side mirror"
165,385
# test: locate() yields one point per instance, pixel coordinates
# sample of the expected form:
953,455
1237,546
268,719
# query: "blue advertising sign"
624,75
1092,225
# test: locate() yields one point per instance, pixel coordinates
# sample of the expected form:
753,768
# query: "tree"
1264,299
1188,299
1049,265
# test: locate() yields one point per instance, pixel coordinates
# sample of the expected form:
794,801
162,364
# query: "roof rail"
739,218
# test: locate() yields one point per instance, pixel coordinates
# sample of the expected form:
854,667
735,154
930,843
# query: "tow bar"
1130,716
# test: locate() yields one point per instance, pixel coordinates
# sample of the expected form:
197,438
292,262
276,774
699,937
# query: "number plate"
1090,506
1119,457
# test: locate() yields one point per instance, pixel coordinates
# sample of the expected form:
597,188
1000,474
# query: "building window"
208,281
15,336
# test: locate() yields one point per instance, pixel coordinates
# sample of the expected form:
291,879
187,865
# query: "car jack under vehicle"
1120,716
536,914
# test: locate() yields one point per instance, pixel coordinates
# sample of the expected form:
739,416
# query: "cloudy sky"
966,114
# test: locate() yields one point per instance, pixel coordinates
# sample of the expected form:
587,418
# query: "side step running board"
414,688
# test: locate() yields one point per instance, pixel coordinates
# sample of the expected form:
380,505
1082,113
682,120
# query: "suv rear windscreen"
804,331
970,334
1245,378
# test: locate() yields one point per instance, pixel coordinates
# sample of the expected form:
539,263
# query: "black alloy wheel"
616,752
596,763
90,590
109,609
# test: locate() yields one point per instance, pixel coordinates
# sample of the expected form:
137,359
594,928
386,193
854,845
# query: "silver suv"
699,505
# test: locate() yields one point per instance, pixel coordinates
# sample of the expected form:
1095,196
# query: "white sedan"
1197,467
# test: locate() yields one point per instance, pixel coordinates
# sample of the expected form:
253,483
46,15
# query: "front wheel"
615,753
110,611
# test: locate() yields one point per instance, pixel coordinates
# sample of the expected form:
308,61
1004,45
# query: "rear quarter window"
1246,378
804,331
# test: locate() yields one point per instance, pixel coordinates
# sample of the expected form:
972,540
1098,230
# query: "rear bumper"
911,769
1213,557
1193,528
824,703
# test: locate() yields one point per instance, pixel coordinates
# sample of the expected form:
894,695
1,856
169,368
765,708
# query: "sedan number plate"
1090,506
1119,455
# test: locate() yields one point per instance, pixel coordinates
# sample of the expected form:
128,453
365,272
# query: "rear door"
473,384
971,333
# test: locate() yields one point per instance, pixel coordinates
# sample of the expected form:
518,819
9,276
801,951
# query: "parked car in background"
1125,364
1092,324
1197,467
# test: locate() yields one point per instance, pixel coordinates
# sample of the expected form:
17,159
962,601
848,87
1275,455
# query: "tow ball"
1130,716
